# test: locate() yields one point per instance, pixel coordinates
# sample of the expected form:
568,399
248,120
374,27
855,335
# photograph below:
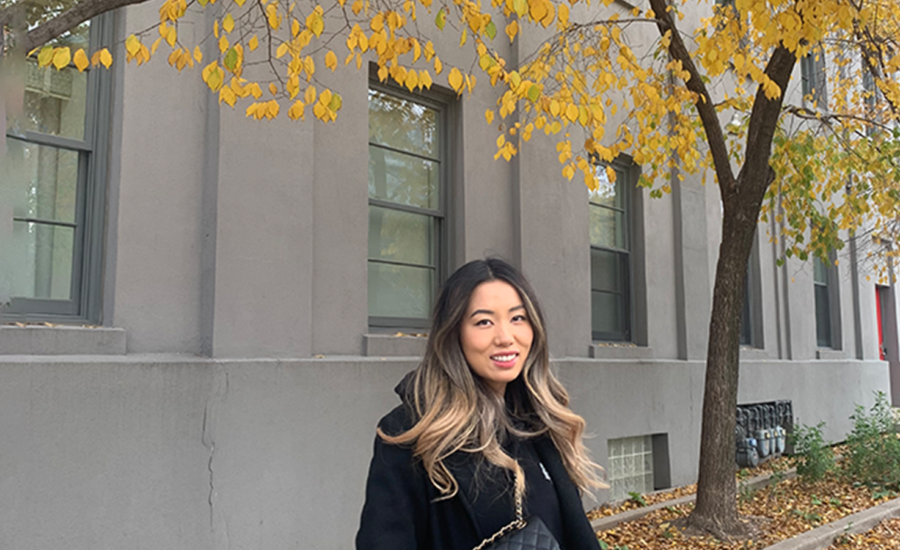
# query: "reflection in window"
822,275
54,182
610,257
405,208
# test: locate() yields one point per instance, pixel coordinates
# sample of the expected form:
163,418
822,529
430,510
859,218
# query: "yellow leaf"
310,95
215,79
105,58
198,55
45,56
273,89
228,23
455,79
223,44
331,60
512,30
295,27
489,116
253,43
554,107
282,49
297,110
438,66
412,80
61,58
155,45
538,10
572,112
425,79
563,14
227,95
81,61
317,25
172,36
132,45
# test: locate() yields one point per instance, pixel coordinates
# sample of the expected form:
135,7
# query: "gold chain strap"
517,523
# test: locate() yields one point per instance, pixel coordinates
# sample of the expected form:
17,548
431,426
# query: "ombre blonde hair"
456,411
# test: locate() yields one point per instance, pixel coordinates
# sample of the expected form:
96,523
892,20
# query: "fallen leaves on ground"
612,508
885,535
783,509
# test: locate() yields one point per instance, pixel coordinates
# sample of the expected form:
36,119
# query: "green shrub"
813,457
872,447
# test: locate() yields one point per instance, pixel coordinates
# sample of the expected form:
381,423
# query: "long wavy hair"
456,411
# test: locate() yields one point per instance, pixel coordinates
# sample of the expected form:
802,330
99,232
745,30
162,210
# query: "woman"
481,416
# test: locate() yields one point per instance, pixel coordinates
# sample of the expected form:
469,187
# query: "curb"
608,522
824,536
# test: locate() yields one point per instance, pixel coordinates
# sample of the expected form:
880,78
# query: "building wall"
243,413
152,451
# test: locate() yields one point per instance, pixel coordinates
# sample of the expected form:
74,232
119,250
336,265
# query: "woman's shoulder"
399,420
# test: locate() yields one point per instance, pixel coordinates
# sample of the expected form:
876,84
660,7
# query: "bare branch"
69,19
708,115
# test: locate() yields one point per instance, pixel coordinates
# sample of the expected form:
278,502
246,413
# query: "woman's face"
496,334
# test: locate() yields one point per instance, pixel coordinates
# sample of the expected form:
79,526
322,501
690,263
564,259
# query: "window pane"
42,256
609,193
607,228
606,313
54,102
403,179
606,271
820,271
746,327
403,124
400,291
401,236
47,182
823,317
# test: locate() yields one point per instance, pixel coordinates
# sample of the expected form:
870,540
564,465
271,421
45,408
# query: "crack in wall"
217,394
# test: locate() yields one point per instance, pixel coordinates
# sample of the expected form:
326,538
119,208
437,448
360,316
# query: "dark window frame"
440,102
627,266
813,79
827,337
85,299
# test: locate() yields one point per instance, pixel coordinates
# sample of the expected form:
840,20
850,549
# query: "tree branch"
66,21
764,120
705,108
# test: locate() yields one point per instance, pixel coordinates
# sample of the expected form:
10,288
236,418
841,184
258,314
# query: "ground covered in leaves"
885,535
782,509
612,508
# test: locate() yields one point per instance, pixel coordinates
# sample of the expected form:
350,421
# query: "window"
611,262
823,281
630,466
57,178
407,204
746,317
812,73
751,313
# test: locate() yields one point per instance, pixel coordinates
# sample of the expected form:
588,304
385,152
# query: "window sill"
60,340
390,345
754,354
828,354
612,350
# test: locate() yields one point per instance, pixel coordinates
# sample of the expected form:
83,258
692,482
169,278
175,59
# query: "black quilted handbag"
520,533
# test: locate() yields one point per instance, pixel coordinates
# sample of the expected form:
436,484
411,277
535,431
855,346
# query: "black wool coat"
401,511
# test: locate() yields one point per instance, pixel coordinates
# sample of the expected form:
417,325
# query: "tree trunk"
716,508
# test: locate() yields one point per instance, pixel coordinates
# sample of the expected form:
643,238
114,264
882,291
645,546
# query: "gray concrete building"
226,295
